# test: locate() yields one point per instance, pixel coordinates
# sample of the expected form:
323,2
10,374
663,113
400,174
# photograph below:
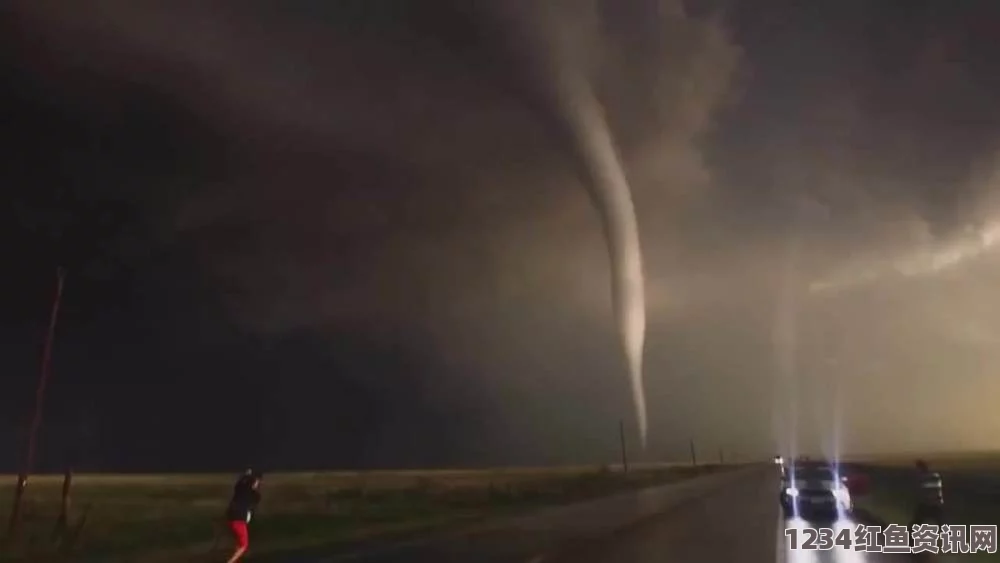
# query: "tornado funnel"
613,198
559,58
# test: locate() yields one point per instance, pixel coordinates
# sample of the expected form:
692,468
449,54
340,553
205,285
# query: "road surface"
735,520
741,522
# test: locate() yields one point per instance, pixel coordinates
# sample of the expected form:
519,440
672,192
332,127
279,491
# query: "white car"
809,491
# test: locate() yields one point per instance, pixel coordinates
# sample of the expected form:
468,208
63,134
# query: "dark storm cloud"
451,140
398,170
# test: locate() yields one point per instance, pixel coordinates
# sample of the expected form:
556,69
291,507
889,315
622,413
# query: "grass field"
971,489
170,518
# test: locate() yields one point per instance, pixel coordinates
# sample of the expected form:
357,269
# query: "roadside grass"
971,489
153,518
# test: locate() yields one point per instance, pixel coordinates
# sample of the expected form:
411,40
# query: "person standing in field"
239,513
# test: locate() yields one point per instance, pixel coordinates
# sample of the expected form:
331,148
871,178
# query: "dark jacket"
244,501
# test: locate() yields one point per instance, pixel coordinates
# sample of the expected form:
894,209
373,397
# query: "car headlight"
791,491
843,495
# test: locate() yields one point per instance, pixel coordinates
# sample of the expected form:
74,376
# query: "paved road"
521,539
738,523
736,519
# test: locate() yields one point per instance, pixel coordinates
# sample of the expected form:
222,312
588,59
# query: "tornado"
558,41
610,191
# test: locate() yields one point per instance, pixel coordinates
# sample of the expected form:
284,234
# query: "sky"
356,234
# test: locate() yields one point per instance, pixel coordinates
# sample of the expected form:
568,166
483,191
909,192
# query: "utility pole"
36,418
694,460
62,524
621,436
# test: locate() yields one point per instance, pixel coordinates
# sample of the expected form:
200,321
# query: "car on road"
814,490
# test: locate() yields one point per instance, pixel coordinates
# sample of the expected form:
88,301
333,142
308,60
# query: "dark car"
814,491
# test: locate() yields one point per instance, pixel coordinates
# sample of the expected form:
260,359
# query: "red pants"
239,530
